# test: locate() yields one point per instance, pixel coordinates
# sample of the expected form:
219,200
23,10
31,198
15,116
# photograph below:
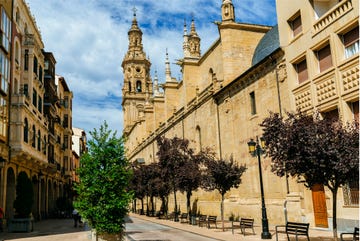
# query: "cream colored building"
226,92
40,119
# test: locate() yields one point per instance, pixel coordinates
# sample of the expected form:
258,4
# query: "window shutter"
324,57
296,26
301,69
351,37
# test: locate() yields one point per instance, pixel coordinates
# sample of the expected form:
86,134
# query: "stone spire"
194,41
227,11
135,38
167,68
156,85
186,47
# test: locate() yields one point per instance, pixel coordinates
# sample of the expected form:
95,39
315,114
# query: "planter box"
21,225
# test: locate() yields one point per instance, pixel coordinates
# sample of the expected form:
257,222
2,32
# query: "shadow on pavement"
45,228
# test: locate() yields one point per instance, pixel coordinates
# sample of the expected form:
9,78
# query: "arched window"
33,139
39,141
138,86
26,130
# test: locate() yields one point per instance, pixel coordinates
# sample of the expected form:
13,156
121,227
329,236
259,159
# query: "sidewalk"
315,234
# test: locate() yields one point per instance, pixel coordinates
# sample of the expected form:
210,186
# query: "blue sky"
89,40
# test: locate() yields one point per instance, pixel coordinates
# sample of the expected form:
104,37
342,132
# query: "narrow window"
351,42
296,26
39,141
253,103
26,60
33,136
35,69
138,86
40,105
324,58
301,70
129,86
44,145
26,131
34,97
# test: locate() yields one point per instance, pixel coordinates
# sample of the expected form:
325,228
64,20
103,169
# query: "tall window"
324,58
4,72
66,121
253,103
39,140
26,130
3,116
351,42
295,25
129,86
33,138
40,74
34,98
301,70
26,60
35,69
5,30
66,141
44,145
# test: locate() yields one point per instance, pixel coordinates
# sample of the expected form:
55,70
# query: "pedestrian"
75,214
1,219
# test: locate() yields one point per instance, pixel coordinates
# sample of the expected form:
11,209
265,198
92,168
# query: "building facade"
37,124
223,96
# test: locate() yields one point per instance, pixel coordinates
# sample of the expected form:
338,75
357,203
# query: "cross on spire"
134,10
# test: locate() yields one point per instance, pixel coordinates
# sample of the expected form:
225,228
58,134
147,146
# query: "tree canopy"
314,150
104,180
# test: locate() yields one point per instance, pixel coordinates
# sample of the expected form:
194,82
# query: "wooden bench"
211,220
355,235
171,216
202,220
293,228
184,218
244,223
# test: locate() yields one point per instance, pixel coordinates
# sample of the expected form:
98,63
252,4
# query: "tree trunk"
142,207
222,212
188,207
176,218
334,193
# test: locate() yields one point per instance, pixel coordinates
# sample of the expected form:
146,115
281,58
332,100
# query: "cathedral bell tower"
137,86
227,11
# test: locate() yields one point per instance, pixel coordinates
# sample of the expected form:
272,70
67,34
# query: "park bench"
211,220
355,235
202,220
183,218
244,223
293,228
171,216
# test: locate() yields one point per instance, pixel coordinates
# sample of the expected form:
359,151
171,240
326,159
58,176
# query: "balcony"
332,15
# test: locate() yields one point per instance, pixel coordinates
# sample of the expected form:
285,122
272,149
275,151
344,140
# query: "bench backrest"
297,228
212,218
202,218
246,222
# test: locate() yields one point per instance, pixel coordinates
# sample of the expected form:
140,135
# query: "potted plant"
22,221
103,191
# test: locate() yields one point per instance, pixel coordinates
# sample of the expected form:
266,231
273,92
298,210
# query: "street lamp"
256,149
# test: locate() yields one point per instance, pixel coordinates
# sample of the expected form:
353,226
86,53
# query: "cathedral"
227,91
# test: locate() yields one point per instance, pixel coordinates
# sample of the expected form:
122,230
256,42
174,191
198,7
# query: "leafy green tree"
24,196
314,150
104,181
221,175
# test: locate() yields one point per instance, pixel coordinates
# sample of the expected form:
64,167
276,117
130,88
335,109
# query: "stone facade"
38,116
226,92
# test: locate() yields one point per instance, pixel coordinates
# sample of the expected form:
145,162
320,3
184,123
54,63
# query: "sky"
89,41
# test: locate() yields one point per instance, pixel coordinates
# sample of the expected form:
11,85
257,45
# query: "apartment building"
37,127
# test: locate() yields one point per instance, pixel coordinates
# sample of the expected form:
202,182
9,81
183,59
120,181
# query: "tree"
104,180
221,175
173,154
24,196
314,150
137,185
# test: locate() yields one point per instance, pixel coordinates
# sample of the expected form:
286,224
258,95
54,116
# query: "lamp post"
256,149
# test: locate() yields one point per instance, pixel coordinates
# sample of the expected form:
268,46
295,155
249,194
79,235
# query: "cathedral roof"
268,44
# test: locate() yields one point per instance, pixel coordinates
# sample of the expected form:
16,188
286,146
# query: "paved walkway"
63,230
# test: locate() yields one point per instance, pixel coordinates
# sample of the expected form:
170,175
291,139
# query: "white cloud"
89,40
